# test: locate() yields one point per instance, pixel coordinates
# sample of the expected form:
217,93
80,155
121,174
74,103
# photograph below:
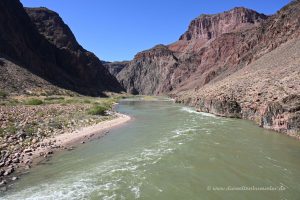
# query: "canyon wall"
239,63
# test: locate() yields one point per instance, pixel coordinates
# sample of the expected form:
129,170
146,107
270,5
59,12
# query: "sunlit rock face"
232,64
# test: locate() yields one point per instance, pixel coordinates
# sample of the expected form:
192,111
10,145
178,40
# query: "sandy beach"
84,134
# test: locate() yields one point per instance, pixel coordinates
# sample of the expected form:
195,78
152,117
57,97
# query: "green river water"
170,152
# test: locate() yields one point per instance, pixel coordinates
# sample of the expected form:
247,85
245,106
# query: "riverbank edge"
264,117
65,142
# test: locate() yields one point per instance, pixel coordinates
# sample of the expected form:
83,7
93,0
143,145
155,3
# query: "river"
170,152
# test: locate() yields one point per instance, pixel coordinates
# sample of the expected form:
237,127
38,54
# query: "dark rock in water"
49,152
14,178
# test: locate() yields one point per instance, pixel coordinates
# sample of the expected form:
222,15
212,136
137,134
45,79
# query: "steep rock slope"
85,65
267,91
63,64
16,79
237,64
149,71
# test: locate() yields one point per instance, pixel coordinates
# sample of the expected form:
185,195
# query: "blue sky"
116,30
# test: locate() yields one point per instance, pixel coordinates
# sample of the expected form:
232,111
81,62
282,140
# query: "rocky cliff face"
149,71
203,68
53,28
43,45
115,67
209,27
266,91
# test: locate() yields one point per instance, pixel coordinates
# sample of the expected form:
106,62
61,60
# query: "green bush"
54,98
98,110
87,101
12,102
3,94
56,124
72,101
29,130
11,128
109,102
34,102
2,132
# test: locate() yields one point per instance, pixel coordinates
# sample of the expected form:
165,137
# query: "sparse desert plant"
13,102
56,124
2,132
109,102
87,101
3,94
34,102
98,110
53,98
71,101
11,128
29,130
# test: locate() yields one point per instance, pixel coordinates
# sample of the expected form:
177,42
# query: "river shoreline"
62,142
164,152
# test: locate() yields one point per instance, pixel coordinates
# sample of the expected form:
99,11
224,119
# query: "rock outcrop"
115,67
237,64
209,27
43,45
149,72
53,28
